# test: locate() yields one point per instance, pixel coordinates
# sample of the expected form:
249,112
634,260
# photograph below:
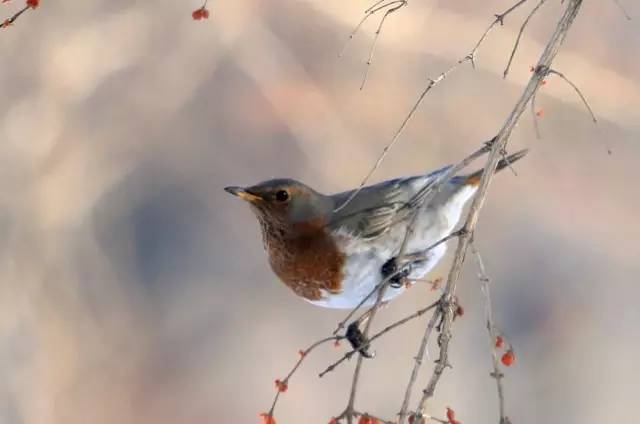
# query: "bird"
333,254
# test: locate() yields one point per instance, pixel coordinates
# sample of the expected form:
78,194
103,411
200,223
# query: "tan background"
134,290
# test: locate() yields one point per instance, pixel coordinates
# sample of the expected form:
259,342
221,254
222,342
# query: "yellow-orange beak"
243,194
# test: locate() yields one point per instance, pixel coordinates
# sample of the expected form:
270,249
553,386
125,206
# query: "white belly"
362,271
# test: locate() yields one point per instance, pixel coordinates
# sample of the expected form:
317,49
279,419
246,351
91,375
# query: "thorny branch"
485,282
445,307
541,69
418,361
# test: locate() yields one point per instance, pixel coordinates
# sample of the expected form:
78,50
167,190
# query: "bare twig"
470,57
9,21
584,101
582,98
544,64
303,356
418,362
375,39
485,282
380,333
517,43
349,410
622,9
577,90
372,10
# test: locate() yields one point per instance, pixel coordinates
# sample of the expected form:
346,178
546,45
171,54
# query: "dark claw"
390,268
357,340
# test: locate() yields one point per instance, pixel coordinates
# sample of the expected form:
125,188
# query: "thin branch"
380,333
517,43
582,98
372,10
584,101
9,21
499,19
485,282
470,57
544,64
622,9
418,362
577,90
303,356
349,410
375,39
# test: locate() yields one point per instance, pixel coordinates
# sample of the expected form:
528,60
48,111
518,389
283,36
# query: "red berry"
205,13
33,3
499,342
281,386
508,358
197,14
451,415
267,418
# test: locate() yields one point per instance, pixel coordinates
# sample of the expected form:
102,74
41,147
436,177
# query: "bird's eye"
282,196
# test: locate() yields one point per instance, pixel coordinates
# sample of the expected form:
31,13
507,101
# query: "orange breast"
306,259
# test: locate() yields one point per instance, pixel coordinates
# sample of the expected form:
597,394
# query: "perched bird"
334,256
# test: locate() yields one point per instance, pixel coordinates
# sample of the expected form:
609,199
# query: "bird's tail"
474,179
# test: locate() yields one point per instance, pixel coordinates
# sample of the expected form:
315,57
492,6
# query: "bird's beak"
242,193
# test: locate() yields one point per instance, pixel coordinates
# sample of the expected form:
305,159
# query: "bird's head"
285,203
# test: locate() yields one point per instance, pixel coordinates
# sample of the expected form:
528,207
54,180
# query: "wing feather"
378,207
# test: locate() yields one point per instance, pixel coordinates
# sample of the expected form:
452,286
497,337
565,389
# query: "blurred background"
134,290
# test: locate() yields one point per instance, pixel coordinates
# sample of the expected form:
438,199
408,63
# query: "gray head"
285,202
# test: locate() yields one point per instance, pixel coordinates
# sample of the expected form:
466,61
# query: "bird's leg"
354,335
390,268
357,339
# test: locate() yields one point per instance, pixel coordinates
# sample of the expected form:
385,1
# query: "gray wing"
378,207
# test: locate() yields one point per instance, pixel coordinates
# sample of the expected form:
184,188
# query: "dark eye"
282,196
